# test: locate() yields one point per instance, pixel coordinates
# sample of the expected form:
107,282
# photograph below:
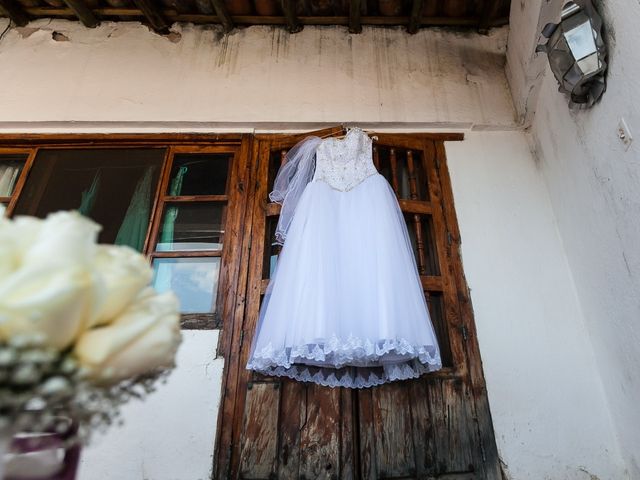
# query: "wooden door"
437,426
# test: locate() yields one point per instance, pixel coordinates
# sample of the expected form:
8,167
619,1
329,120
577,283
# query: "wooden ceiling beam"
83,12
153,15
14,11
355,19
416,16
288,7
223,14
203,19
488,14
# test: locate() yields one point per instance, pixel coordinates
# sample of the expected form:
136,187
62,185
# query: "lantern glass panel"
589,64
580,40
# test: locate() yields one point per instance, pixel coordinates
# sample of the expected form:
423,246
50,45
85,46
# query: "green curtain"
88,197
133,230
175,189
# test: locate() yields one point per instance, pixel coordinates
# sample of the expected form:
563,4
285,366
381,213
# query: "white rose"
125,273
63,238
52,302
144,337
15,239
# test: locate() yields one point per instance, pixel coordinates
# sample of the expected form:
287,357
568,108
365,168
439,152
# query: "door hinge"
464,332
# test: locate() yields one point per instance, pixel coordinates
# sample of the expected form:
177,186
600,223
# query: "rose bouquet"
81,331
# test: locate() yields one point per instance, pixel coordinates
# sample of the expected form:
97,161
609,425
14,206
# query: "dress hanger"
346,131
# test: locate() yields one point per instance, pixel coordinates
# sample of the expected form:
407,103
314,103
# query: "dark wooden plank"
235,377
222,14
423,439
14,11
83,12
393,161
258,448
320,436
416,206
355,18
349,468
175,16
393,437
196,198
122,140
453,427
200,321
153,14
17,190
416,15
489,12
293,24
454,333
366,435
293,415
488,451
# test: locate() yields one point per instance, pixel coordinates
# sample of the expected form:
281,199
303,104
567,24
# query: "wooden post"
355,22
83,12
223,14
394,170
417,220
153,14
14,11
416,15
489,12
288,7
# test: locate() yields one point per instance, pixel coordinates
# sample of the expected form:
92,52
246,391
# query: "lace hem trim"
356,363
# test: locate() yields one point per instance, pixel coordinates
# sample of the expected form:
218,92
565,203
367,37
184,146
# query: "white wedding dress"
345,306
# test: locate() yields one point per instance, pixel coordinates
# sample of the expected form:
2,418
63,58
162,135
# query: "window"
11,167
168,201
114,187
188,241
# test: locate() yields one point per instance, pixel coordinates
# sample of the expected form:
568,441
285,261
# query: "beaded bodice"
344,164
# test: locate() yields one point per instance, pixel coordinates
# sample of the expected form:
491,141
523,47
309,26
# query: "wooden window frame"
236,145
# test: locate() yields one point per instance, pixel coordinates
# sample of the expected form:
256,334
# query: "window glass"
114,187
193,279
199,174
10,168
191,226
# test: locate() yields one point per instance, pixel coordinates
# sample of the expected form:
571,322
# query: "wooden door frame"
459,306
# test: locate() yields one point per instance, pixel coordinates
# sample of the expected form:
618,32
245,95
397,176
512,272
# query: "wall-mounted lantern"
577,52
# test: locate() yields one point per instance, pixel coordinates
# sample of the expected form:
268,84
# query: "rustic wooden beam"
14,11
288,7
416,14
223,14
488,14
153,15
355,20
83,12
174,16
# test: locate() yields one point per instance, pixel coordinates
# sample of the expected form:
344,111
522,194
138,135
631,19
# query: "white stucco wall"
260,76
170,435
548,407
593,185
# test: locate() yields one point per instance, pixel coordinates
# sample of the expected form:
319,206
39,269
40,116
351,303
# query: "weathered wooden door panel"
433,427
259,444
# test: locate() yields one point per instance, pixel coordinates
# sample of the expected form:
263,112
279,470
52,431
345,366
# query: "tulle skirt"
345,306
